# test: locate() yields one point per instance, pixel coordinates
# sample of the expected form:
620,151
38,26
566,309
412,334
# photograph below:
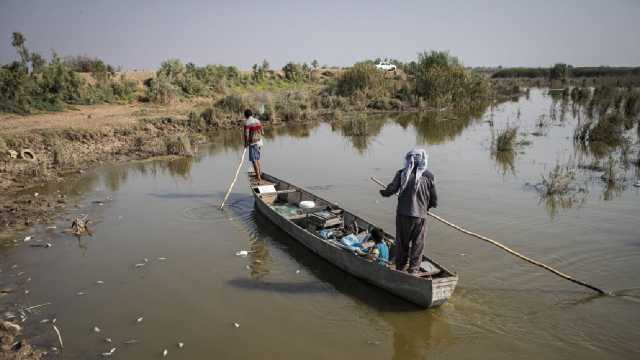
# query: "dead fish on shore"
96,329
45,245
109,353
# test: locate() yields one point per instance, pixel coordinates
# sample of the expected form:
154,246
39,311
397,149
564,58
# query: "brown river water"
283,302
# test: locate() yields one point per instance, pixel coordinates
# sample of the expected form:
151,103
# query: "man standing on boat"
416,191
253,140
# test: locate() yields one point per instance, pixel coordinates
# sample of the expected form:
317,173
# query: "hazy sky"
142,33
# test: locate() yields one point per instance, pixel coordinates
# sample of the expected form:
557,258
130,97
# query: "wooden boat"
280,201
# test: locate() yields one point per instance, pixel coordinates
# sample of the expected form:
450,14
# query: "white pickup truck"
386,66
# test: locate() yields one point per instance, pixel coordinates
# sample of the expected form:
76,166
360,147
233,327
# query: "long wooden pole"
495,243
234,178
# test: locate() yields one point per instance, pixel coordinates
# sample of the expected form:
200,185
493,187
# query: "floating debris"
236,325
28,238
373,342
247,267
109,353
96,329
243,253
637,184
44,321
180,345
53,321
35,194
297,271
165,353
79,225
132,342
162,259
145,260
36,306
139,320
20,273
52,227
81,293
26,292
139,265
108,340
99,282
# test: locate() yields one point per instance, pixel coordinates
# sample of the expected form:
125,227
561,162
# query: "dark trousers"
410,234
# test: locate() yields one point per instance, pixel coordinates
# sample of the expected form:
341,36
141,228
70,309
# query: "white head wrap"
417,160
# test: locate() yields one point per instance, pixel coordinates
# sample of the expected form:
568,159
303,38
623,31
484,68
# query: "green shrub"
363,78
608,130
292,106
296,72
161,90
232,103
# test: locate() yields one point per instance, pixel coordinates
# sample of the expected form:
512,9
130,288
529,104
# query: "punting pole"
512,252
234,178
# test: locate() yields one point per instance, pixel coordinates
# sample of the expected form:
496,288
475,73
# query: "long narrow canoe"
279,201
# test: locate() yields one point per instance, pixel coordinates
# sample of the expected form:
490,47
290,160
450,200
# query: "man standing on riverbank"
416,191
253,140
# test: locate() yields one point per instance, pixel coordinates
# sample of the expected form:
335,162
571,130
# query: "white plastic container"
307,204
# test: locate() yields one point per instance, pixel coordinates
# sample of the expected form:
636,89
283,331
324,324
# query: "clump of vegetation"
32,83
506,139
292,106
179,145
608,130
296,72
558,182
235,104
88,64
362,78
441,79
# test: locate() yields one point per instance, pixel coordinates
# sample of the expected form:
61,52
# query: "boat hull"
424,292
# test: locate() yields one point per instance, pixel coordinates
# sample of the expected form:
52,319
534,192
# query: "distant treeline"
563,70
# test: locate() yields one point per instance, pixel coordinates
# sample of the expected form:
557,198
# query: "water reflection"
412,338
361,130
437,127
505,160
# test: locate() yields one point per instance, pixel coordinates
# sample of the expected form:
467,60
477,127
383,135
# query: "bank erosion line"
512,252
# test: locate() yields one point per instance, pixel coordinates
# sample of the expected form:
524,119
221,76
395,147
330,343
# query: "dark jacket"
414,201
